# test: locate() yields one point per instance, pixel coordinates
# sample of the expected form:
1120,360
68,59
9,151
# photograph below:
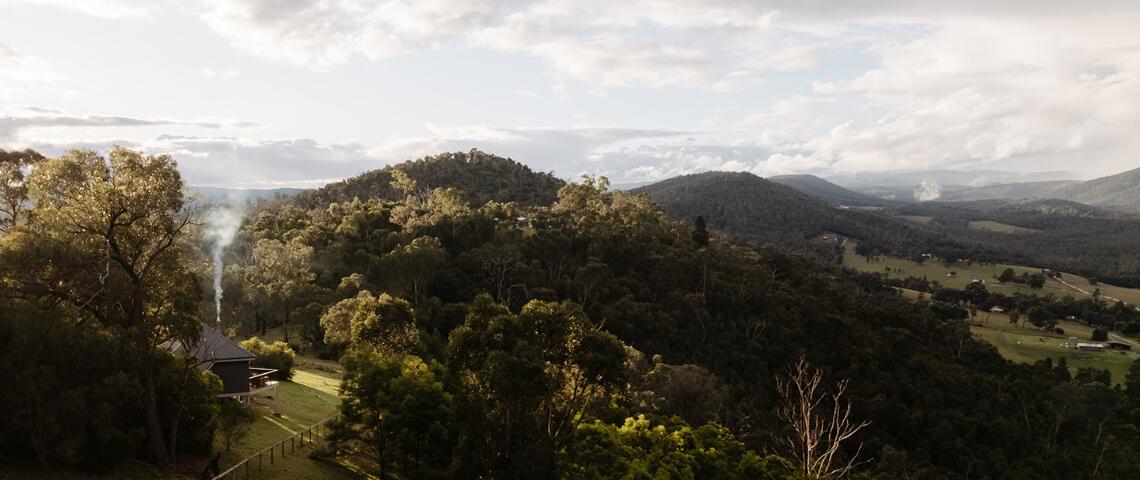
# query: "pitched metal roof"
213,347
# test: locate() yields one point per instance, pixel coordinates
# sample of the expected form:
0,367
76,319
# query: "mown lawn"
309,398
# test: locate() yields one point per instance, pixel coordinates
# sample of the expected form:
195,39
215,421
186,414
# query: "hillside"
763,212
481,176
1006,191
1121,191
1066,235
821,189
946,178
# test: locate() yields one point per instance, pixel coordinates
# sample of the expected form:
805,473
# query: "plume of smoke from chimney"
222,223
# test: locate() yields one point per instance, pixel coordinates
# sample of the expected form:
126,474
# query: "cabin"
231,363
997,309
1119,346
1094,347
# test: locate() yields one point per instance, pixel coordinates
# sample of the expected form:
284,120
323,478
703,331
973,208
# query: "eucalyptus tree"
103,244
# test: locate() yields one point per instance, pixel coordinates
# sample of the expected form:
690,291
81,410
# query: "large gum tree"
103,243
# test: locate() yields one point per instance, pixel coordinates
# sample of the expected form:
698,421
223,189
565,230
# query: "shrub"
272,355
1100,335
235,421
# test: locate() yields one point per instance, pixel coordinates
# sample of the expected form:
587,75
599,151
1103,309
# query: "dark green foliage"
640,449
234,421
276,355
557,296
75,406
67,402
481,176
1100,335
397,413
700,232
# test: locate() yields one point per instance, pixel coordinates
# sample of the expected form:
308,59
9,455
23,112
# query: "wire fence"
257,462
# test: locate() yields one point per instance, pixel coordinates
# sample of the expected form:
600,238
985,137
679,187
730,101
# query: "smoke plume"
928,190
222,223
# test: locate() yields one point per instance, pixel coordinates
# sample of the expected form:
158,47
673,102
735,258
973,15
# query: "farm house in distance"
231,363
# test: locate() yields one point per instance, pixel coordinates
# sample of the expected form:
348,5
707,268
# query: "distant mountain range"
965,178
764,212
1116,192
830,192
1120,191
1006,191
219,194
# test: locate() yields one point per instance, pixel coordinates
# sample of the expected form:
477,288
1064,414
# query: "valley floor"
1029,344
958,275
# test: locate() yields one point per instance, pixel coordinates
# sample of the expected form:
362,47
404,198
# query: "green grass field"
1028,344
992,226
309,398
1016,343
988,272
916,218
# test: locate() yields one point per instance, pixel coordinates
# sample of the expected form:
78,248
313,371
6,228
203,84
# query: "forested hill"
829,192
1005,191
480,176
763,212
1118,191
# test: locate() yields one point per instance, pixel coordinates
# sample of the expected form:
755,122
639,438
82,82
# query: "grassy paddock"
965,273
992,226
309,398
1028,344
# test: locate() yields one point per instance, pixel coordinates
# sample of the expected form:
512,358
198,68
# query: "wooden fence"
255,463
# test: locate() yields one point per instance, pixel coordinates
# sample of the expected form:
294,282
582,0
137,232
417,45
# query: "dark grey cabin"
225,358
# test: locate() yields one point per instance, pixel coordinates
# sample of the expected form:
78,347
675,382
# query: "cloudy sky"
263,93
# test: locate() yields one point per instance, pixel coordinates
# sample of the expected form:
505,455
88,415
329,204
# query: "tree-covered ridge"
593,336
821,189
482,177
766,213
705,331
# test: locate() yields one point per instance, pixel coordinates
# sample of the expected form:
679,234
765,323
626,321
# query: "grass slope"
309,398
1074,285
1028,344
992,226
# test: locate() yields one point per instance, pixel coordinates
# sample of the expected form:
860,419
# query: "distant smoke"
222,223
928,190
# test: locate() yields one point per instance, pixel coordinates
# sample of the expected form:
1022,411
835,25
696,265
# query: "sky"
296,93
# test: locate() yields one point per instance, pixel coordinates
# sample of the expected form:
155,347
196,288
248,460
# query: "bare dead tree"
821,423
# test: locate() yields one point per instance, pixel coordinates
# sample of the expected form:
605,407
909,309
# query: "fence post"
271,450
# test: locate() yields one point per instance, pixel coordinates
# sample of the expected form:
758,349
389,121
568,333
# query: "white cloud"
22,74
984,92
568,152
25,125
211,73
717,44
110,9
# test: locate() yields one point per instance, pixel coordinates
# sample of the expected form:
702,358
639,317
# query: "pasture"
1028,344
959,274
